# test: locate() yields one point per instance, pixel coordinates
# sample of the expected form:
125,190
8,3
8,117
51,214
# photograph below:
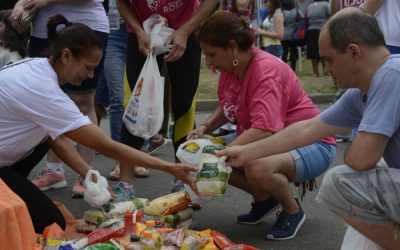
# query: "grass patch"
311,85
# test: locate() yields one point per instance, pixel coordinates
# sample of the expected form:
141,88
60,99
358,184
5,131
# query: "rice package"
213,174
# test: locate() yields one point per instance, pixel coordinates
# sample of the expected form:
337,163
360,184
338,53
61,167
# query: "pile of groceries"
163,223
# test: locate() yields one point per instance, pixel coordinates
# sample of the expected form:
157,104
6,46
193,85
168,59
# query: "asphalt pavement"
321,230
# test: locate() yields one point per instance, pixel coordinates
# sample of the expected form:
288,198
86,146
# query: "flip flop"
141,172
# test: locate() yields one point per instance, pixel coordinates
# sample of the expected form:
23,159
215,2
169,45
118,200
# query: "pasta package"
213,174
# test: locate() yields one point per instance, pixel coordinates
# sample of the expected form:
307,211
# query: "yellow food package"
167,204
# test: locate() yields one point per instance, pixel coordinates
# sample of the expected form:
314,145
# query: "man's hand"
181,171
178,41
236,155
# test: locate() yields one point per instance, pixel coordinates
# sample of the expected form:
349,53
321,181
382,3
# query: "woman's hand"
178,41
35,5
197,133
144,43
181,171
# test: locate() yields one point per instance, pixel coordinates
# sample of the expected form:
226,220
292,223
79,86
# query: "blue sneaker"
287,225
259,209
123,192
177,186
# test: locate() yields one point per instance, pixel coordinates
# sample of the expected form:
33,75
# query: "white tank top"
90,13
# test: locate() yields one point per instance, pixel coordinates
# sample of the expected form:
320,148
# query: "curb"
210,105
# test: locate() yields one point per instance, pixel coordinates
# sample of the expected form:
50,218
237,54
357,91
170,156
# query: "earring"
235,63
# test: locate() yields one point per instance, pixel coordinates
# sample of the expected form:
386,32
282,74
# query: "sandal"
114,174
141,172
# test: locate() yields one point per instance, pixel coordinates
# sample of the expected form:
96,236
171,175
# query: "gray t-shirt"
317,14
289,23
377,112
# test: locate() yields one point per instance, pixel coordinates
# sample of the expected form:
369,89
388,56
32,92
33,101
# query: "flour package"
213,175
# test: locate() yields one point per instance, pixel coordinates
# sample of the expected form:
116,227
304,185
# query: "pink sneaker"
49,179
79,189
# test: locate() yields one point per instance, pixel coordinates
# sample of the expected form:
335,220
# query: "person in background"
317,14
361,192
337,5
261,95
13,45
45,117
183,62
388,15
289,46
272,29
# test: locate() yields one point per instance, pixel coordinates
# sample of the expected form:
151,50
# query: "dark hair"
222,27
354,27
275,4
13,40
287,4
77,37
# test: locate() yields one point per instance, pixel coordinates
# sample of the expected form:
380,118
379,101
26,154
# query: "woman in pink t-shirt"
183,63
261,95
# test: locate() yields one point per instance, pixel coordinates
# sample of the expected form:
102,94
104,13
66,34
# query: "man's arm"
296,135
372,6
365,150
68,154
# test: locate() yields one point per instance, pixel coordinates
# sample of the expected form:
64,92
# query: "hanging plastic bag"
96,194
353,240
156,27
144,114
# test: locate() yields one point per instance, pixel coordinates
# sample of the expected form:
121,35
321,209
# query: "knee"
257,172
328,183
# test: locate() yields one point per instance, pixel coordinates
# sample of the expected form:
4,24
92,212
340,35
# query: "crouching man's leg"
369,201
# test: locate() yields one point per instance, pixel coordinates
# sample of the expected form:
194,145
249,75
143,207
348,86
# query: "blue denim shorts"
312,160
371,196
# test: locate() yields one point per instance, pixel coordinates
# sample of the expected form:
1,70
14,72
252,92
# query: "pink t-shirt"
269,97
177,12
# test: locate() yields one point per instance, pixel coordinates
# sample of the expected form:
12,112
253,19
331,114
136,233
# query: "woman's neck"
245,59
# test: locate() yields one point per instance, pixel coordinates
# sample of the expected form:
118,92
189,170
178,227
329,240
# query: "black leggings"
290,47
42,210
184,77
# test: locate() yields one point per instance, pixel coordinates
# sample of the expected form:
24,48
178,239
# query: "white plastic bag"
353,240
144,114
190,151
156,27
96,194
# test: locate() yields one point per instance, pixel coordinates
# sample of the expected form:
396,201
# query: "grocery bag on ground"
96,193
353,240
212,177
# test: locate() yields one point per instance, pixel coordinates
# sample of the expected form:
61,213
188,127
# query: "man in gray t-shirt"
362,192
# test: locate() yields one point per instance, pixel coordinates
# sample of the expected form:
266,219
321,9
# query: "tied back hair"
11,39
222,27
77,37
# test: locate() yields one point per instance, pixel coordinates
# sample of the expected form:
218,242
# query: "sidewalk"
322,229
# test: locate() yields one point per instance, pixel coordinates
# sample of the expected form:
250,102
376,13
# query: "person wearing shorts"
362,192
261,95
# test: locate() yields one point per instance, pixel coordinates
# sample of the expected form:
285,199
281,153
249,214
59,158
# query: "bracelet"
207,125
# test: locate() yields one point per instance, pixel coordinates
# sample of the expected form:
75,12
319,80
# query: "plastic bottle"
135,243
113,15
148,242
